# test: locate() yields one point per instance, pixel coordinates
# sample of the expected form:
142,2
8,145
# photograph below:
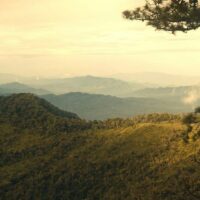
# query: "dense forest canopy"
168,15
50,154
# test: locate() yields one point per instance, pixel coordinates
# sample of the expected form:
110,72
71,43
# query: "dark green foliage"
27,111
189,118
185,134
29,104
192,117
168,15
197,110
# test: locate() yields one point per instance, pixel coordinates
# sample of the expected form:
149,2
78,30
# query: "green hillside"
149,157
26,111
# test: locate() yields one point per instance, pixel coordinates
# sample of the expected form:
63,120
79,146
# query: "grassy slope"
144,162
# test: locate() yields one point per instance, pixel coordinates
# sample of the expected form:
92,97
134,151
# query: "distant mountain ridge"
16,87
89,84
7,78
98,106
92,106
166,91
159,79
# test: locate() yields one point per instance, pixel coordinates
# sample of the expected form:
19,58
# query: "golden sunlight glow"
79,37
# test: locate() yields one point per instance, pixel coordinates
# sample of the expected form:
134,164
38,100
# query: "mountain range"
89,84
91,106
16,87
100,106
7,78
156,79
160,92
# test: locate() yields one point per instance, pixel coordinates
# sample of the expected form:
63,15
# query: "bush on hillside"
189,119
197,110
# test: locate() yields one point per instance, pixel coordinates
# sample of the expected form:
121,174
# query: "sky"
61,38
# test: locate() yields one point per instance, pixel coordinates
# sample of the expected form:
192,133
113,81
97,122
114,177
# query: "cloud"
192,97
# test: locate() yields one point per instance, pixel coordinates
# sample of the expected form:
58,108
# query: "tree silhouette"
168,15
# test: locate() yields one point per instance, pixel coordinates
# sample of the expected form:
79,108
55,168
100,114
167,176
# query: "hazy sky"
77,37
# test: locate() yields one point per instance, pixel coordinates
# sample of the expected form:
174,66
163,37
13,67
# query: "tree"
189,118
197,110
168,15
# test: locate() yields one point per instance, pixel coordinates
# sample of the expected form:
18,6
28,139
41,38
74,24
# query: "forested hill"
47,154
30,111
29,104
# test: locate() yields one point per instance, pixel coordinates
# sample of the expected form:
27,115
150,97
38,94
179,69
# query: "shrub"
189,118
197,110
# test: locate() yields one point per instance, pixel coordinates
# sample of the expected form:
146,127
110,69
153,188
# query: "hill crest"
30,111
